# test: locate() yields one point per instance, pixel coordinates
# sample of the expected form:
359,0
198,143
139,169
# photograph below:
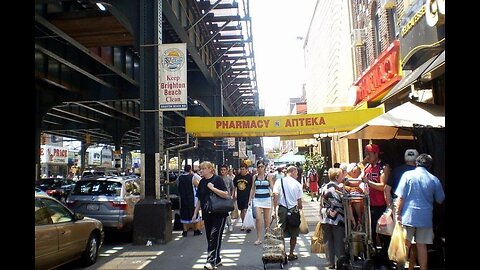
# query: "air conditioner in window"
359,37
388,4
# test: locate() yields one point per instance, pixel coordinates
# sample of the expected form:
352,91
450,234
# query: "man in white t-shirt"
292,198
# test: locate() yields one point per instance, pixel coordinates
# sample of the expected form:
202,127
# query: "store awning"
437,64
408,80
290,157
398,123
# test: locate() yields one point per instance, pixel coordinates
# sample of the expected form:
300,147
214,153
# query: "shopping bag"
235,214
248,222
397,251
385,224
303,223
201,224
317,245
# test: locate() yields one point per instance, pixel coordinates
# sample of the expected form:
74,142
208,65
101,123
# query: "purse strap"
284,196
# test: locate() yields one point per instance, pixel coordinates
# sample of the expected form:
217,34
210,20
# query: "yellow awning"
272,126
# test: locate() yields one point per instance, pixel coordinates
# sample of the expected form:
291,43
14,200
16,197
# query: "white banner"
242,149
172,73
231,143
53,154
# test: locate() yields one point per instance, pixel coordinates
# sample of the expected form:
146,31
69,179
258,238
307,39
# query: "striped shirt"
262,188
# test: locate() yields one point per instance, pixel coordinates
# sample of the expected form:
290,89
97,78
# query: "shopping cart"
359,247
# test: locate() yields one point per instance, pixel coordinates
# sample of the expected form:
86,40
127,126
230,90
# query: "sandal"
292,257
257,243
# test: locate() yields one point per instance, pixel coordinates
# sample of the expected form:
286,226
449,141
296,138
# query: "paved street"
238,251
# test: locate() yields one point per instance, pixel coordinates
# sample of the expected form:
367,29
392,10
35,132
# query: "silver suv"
109,199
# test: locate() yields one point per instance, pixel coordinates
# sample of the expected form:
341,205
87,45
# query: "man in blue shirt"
417,191
410,157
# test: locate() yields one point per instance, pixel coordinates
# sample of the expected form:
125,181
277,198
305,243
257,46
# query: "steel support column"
153,215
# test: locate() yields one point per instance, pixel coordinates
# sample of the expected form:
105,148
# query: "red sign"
381,76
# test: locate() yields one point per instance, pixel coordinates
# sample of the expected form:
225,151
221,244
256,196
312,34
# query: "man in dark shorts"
243,185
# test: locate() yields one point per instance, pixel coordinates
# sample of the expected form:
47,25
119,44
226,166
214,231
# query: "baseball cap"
372,148
411,155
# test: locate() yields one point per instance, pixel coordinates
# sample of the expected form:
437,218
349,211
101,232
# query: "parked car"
62,236
59,188
109,199
93,173
38,190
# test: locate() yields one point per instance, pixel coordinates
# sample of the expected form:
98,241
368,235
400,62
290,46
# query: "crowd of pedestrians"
408,192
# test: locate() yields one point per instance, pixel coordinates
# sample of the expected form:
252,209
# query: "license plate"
92,207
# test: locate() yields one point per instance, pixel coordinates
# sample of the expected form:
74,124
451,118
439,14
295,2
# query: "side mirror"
78,216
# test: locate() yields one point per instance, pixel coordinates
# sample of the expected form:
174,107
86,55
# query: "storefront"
422,53
53,161
422,62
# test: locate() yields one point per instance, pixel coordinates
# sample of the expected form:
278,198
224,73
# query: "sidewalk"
238,251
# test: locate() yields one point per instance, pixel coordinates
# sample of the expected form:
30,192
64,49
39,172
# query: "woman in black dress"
214,223
187,188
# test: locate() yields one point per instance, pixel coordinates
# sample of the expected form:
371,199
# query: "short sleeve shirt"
243,183
419,190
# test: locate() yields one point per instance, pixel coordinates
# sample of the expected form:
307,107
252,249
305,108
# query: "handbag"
219,205
293,214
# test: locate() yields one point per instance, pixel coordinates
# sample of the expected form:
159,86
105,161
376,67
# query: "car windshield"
96,187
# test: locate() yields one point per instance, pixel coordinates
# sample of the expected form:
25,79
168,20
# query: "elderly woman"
214,223
332,216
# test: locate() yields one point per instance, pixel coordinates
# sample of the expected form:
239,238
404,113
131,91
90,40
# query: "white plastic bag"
248,222
385,223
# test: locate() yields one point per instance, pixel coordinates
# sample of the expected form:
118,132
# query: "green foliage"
314,160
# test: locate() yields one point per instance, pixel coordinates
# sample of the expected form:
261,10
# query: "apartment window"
377,43
393,24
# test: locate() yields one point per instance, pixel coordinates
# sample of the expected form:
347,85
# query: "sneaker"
184,233
242,229
230,228
197,232
208,266
249,230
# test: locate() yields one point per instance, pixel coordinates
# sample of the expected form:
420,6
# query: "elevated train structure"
88,72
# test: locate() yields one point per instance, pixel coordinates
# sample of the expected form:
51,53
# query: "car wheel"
90,254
